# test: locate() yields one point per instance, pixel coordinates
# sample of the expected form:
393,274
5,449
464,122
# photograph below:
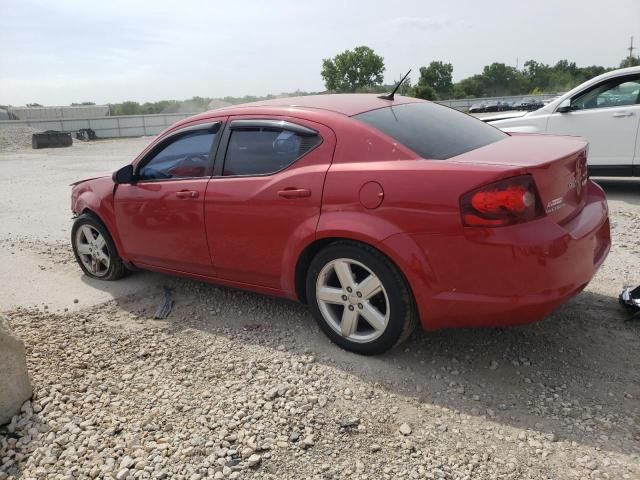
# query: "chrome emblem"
554,205
580,176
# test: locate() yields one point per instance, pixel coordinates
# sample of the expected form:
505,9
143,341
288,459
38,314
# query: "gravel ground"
238,385
15,138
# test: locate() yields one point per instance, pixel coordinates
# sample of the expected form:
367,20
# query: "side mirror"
565,106
124,176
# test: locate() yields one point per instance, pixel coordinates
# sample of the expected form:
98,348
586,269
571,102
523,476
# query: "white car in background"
604,110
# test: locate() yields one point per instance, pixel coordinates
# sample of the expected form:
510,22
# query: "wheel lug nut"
349,289
360,306
351,307
359,294
344,297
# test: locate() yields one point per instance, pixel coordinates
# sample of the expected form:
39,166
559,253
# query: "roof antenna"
390,95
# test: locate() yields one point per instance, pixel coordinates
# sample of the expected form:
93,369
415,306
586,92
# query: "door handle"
622,114
294,193
187,194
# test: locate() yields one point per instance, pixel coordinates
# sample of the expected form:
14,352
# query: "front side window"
431,130
264,150
186,157
617,92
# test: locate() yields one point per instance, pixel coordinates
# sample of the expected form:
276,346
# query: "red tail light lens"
507,202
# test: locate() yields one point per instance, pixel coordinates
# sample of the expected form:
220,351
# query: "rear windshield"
431,130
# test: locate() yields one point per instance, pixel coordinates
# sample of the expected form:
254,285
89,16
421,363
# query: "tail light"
507,202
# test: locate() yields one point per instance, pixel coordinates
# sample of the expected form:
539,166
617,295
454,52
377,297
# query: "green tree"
438,76
592,71
426,92
127,108
630,62
475,86
565,66
502,79
352,70
537,75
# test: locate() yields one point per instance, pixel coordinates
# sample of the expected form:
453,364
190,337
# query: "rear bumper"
505,276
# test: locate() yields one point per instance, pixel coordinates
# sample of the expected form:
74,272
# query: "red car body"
259,232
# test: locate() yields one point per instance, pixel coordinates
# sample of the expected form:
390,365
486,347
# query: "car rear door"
607,115
266,192
160,217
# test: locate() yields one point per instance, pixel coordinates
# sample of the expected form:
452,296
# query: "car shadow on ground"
623,189
575,375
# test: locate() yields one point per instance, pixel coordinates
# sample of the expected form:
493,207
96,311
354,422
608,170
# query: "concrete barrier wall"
106,127
63,113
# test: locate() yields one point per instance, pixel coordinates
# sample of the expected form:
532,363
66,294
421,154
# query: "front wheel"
359,298
94,249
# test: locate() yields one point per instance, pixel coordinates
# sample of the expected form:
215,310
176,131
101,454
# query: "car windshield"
431,130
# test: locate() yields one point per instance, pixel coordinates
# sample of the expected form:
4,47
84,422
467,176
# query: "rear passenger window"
431,130
264,150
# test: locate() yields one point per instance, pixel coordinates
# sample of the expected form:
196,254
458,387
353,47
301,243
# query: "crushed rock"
15,138
200,405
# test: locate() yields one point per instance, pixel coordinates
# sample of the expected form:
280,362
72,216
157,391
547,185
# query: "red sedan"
378,213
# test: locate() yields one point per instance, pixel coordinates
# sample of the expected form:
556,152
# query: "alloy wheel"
352,300
92,250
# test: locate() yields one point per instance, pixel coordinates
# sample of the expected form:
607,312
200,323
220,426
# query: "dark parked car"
478,108
492,106
507,105
530,104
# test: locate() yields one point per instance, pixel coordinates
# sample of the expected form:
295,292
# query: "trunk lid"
558,166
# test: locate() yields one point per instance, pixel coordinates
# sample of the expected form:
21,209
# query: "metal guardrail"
141,125
106,127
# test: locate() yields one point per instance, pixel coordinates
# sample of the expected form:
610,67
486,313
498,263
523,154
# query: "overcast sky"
66,51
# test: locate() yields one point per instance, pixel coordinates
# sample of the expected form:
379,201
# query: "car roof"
619,71
345,103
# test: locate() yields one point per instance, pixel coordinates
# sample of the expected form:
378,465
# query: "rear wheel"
359,298
94,249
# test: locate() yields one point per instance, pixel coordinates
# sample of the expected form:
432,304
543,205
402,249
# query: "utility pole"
631,49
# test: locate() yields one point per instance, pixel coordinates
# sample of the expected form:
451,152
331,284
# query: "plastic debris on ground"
630,299
164,309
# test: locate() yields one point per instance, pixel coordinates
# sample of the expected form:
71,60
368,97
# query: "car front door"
266,192
160,217
607,115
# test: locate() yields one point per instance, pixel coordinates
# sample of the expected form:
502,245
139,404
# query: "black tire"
116,269
403,316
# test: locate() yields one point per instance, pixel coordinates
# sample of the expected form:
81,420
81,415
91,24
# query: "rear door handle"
295,193
623,114
187,194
